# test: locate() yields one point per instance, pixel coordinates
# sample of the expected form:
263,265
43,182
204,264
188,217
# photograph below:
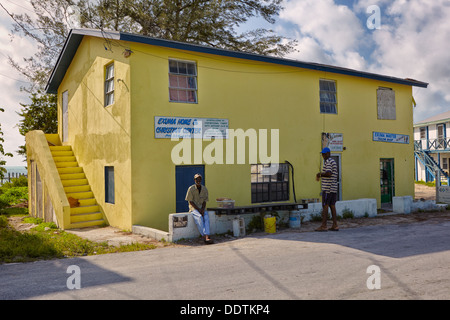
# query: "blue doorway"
184,178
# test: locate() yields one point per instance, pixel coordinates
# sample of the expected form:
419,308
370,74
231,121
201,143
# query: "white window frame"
423,133
109,84
185,90
324,103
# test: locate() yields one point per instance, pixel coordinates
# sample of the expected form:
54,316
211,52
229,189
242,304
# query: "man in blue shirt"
329,177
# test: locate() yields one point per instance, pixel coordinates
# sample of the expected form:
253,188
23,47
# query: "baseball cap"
325,150
197,175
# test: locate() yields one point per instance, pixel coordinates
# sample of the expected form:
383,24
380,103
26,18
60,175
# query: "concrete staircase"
75,184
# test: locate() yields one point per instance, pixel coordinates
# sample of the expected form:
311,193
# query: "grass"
430,184
45,241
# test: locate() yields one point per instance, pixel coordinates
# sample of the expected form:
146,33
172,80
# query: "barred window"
269,187
182,81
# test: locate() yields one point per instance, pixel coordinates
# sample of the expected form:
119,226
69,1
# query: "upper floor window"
423,133
386,103
328,99
109,85
182,81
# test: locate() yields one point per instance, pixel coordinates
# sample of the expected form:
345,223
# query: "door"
65,116
387,183
337,159
184,178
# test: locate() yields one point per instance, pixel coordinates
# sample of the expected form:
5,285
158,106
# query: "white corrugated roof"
437,118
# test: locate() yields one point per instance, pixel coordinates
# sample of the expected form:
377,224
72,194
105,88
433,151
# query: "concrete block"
402,204
151,233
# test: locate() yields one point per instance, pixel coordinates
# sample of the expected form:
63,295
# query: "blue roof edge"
75,36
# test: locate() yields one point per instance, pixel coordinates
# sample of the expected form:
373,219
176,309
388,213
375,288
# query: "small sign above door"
334,141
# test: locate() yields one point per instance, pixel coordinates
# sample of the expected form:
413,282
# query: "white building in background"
432,147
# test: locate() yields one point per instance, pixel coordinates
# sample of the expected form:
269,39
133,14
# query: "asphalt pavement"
389,262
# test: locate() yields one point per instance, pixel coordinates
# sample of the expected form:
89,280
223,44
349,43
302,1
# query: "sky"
404,38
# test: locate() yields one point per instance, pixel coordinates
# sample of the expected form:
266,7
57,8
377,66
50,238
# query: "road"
413,261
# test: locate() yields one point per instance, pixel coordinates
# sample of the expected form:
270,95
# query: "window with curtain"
182,81
328,99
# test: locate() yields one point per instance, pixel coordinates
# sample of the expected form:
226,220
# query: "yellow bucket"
270,224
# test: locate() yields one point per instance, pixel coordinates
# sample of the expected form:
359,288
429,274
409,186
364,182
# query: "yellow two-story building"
139,116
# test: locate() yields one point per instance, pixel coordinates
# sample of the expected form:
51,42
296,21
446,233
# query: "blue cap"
326,150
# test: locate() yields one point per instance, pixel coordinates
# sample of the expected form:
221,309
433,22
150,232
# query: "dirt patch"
17,224
424,192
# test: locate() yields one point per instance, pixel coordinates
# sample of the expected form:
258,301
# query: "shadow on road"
396,241
51,277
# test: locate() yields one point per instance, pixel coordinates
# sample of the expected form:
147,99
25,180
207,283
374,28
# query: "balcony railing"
439,144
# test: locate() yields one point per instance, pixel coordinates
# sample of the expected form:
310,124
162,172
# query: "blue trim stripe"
76,35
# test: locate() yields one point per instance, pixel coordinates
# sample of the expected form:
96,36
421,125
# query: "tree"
206,22
48,29
40,114
2,152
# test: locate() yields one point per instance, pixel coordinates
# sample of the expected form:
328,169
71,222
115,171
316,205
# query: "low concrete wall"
359,208
407,205
151,233
182,225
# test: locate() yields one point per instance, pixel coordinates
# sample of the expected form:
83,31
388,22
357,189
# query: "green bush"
3,221
22,181
3,203
13,195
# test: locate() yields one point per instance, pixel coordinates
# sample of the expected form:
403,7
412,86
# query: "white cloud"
412,42
332,32
11,94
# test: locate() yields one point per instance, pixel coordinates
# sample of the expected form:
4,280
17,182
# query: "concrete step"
65,159
86,224
60,148
84,217
80,195
69,170
72,176
62,153
87,202
76,189
68,164
76,182
87,209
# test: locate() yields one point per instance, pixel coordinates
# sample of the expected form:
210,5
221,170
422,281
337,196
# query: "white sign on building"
334,141
390,137
198,128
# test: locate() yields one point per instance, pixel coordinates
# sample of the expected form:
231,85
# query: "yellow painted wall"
261,96
100,136
247,93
